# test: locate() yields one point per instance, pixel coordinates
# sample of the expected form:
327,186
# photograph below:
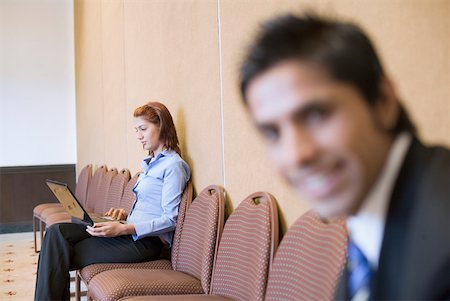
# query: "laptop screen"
66,198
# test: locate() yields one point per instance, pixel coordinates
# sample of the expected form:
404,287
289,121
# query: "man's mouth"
322,183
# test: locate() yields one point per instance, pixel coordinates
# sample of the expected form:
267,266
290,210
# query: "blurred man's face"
322,136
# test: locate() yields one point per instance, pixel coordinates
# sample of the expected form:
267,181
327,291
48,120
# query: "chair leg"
42,229
77,286
34,233
89,297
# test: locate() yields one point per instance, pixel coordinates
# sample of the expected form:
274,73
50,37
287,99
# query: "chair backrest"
83,184
93,185
116,188
128,196
201,231
309,260
185,203
246,249
102,191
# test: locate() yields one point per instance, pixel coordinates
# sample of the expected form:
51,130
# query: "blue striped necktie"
359,274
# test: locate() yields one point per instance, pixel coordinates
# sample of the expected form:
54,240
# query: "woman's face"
147,134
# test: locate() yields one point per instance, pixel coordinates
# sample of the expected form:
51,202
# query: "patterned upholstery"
186,201
176,297
116,284
102,191
51,208
128,196
309,260
246,249
200,236
116,188
93,186
198,242
90,271
83,184
245,253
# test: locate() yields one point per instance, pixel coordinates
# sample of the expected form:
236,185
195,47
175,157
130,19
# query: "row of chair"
97,193
237,261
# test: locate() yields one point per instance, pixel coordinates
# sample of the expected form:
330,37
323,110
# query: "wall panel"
172,56
247,167
89,83
130,52
412,39
413,53
113,70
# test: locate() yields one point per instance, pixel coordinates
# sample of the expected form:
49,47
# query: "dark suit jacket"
414,260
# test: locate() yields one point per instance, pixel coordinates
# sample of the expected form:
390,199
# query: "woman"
70,246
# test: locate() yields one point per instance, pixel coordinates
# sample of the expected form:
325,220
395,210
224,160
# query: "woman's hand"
117,213
110,229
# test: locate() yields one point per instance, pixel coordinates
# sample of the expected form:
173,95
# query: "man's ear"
387,107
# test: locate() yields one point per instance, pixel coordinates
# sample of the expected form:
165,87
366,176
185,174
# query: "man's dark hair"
342,49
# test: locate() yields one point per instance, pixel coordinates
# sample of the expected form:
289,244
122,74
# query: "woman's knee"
53,230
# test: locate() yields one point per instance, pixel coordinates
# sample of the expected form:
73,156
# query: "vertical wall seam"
76,58
221,94
103,85
125,83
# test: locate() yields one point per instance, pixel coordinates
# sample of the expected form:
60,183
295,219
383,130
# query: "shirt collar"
150,159
366,228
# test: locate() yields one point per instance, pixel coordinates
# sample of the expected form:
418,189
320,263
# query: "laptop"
73,206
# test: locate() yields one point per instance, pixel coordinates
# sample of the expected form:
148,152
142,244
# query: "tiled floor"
18,264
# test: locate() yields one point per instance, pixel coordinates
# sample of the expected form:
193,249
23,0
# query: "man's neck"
366,227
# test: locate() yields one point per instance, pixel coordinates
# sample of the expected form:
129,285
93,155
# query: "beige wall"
186,53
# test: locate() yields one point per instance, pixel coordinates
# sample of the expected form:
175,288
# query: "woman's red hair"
157,113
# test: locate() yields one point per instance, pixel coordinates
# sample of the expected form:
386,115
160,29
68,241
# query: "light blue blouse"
158,193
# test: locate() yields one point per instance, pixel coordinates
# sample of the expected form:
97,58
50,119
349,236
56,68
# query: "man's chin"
329,208
330,211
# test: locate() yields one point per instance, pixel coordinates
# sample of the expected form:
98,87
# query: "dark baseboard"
23,187
16,227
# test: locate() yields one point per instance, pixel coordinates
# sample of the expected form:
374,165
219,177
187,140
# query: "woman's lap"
87,249
114,250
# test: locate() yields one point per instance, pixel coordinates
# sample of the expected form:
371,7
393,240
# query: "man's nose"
301,148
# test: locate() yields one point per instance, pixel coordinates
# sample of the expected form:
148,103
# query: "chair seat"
39,208
183,298
87,273
62,217
46,213
116,284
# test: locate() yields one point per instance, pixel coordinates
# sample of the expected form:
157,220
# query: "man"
336,131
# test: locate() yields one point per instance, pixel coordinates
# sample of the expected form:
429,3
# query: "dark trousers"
68,247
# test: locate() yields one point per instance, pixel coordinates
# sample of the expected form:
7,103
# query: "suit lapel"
389,277
391,264
341,289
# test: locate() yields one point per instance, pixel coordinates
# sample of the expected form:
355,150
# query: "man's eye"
271,134
315,116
